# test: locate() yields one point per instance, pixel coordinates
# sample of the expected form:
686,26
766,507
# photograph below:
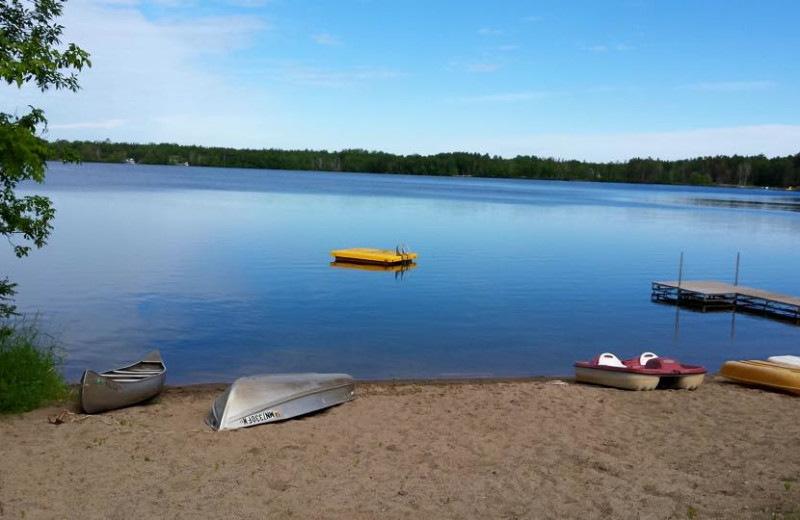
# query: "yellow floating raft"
763,373
365,255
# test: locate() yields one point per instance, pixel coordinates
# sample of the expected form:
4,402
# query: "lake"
228,272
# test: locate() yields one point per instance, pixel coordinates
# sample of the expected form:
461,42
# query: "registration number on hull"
261,417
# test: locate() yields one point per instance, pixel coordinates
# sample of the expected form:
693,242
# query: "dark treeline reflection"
750,204
723,170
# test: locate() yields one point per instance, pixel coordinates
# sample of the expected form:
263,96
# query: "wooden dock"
713,295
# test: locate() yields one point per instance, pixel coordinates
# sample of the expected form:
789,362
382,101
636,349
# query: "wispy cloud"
509,97
508,48
110,123
326,78
170,86
250,3
325,39
482,67
731,86
488,31
532,18
620,47
218,34
119,2
602,89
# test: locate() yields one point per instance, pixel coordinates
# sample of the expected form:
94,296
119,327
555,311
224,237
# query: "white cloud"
301,74
731,86
510,47
600,89
510,97
325,39
249,3
488,31
163,81
219,35
533,18
109,123
620,47
483,67
770,140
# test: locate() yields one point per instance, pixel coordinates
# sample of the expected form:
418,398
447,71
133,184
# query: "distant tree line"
722,170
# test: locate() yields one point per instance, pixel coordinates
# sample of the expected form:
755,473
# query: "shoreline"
514,449
689,171
467,176
413,381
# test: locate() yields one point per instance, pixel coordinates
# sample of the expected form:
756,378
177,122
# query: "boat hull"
254,400
124,386
764,374
646,372
364,255
793,361
682,382
624,380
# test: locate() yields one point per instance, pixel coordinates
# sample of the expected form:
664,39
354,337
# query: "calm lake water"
228,272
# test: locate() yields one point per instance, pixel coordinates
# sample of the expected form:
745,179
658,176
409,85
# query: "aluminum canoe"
269,398
124,386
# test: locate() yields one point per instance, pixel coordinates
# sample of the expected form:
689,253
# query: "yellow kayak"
763,373
374,256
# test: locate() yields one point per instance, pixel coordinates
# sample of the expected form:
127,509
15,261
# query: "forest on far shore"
737,170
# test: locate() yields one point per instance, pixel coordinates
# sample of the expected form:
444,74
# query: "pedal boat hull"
616,379
634,374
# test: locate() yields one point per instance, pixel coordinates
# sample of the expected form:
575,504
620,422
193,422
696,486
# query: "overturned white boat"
269,398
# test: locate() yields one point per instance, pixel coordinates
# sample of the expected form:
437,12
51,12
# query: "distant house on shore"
177,160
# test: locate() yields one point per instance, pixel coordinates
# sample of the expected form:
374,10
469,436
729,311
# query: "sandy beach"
474,449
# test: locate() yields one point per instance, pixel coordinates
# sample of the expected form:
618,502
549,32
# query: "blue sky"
594,80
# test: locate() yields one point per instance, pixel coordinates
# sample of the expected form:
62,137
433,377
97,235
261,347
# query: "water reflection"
397,268
789,205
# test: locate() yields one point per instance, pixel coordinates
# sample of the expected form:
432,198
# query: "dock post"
736,283
735,297
678,298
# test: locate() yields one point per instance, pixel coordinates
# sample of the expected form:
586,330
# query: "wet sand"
474,449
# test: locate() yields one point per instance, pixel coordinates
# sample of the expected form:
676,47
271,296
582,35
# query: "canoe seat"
608,359
135,372
131,377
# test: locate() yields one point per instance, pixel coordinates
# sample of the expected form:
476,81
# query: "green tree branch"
30,52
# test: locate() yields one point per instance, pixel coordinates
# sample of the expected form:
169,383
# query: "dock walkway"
711,294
